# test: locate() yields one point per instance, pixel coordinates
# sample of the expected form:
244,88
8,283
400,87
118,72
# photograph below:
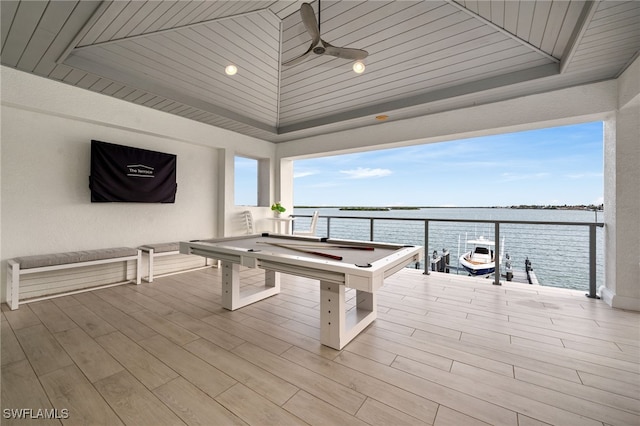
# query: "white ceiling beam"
502,30
172,29
85,28
583,22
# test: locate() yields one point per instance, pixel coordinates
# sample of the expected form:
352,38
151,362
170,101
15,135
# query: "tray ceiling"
424,56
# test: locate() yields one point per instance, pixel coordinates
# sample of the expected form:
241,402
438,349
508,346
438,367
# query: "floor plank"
255,409
436,392
43,351
21,389
68,388
164,327
21,318
315,411
52,316
550,397
378,414
89,321
115,317
193,406
395,397
203,375
10,348
215,335
448,417
257,379
144,366
88,355
134,403
316,384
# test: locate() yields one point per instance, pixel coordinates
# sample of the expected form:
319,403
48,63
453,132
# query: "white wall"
45,161
46,196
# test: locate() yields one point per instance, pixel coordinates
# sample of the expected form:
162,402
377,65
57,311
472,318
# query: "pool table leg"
337,326
233,298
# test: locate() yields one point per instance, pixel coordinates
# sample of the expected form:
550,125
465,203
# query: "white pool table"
337,264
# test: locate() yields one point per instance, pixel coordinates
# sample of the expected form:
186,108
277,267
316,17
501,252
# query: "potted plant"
277,208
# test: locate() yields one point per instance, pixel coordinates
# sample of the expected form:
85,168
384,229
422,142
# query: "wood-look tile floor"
445,350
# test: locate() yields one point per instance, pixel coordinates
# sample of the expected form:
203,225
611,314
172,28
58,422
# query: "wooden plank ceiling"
424,56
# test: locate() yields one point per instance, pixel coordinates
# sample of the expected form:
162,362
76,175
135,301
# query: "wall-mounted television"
131,175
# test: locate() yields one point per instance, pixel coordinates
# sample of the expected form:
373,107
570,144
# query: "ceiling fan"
319,46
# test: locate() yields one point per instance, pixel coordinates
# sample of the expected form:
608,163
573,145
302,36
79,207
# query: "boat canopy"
482,241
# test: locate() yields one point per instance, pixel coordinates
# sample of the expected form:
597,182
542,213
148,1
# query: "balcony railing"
564,254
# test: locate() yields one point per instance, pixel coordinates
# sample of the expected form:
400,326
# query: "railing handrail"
422,219
496,222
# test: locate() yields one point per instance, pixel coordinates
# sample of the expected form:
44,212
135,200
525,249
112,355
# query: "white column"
622,196
284,184
226,196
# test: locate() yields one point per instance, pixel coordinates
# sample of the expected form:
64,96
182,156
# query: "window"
246,181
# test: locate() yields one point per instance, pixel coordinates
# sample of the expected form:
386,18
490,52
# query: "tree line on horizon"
590,207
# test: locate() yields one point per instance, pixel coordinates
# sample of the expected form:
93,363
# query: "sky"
554,166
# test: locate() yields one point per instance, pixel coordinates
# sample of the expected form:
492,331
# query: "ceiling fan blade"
299,58
344,52
308,17
309,20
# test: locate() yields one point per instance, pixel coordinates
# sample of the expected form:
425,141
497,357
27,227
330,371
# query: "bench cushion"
37,261
162,247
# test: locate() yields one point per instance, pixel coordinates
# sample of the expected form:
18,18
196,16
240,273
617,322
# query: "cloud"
508,177
303,174
585,175
365,172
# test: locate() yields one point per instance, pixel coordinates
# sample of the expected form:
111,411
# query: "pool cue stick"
317,253
329,247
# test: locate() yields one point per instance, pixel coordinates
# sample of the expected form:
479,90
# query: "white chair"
312,228
248,221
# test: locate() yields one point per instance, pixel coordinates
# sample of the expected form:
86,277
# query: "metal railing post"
592,263
328,227
371,229
426,247
496,281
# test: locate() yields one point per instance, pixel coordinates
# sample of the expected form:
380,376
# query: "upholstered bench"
52,262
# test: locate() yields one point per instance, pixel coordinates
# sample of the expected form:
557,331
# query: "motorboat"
480,260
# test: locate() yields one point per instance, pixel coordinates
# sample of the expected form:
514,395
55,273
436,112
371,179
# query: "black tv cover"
126,174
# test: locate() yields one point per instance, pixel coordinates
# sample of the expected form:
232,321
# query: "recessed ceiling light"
231,69
358,67
381,117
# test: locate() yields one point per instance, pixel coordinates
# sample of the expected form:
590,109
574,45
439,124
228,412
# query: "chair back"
314,222
312,227
248,221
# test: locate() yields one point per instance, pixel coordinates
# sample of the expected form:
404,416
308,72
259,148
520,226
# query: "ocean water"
559,254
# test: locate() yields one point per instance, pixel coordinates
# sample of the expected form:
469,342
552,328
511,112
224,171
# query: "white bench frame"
14,272
152,254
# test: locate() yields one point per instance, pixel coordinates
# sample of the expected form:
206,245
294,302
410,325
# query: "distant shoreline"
590,207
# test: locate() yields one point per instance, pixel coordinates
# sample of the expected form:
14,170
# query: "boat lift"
440,262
